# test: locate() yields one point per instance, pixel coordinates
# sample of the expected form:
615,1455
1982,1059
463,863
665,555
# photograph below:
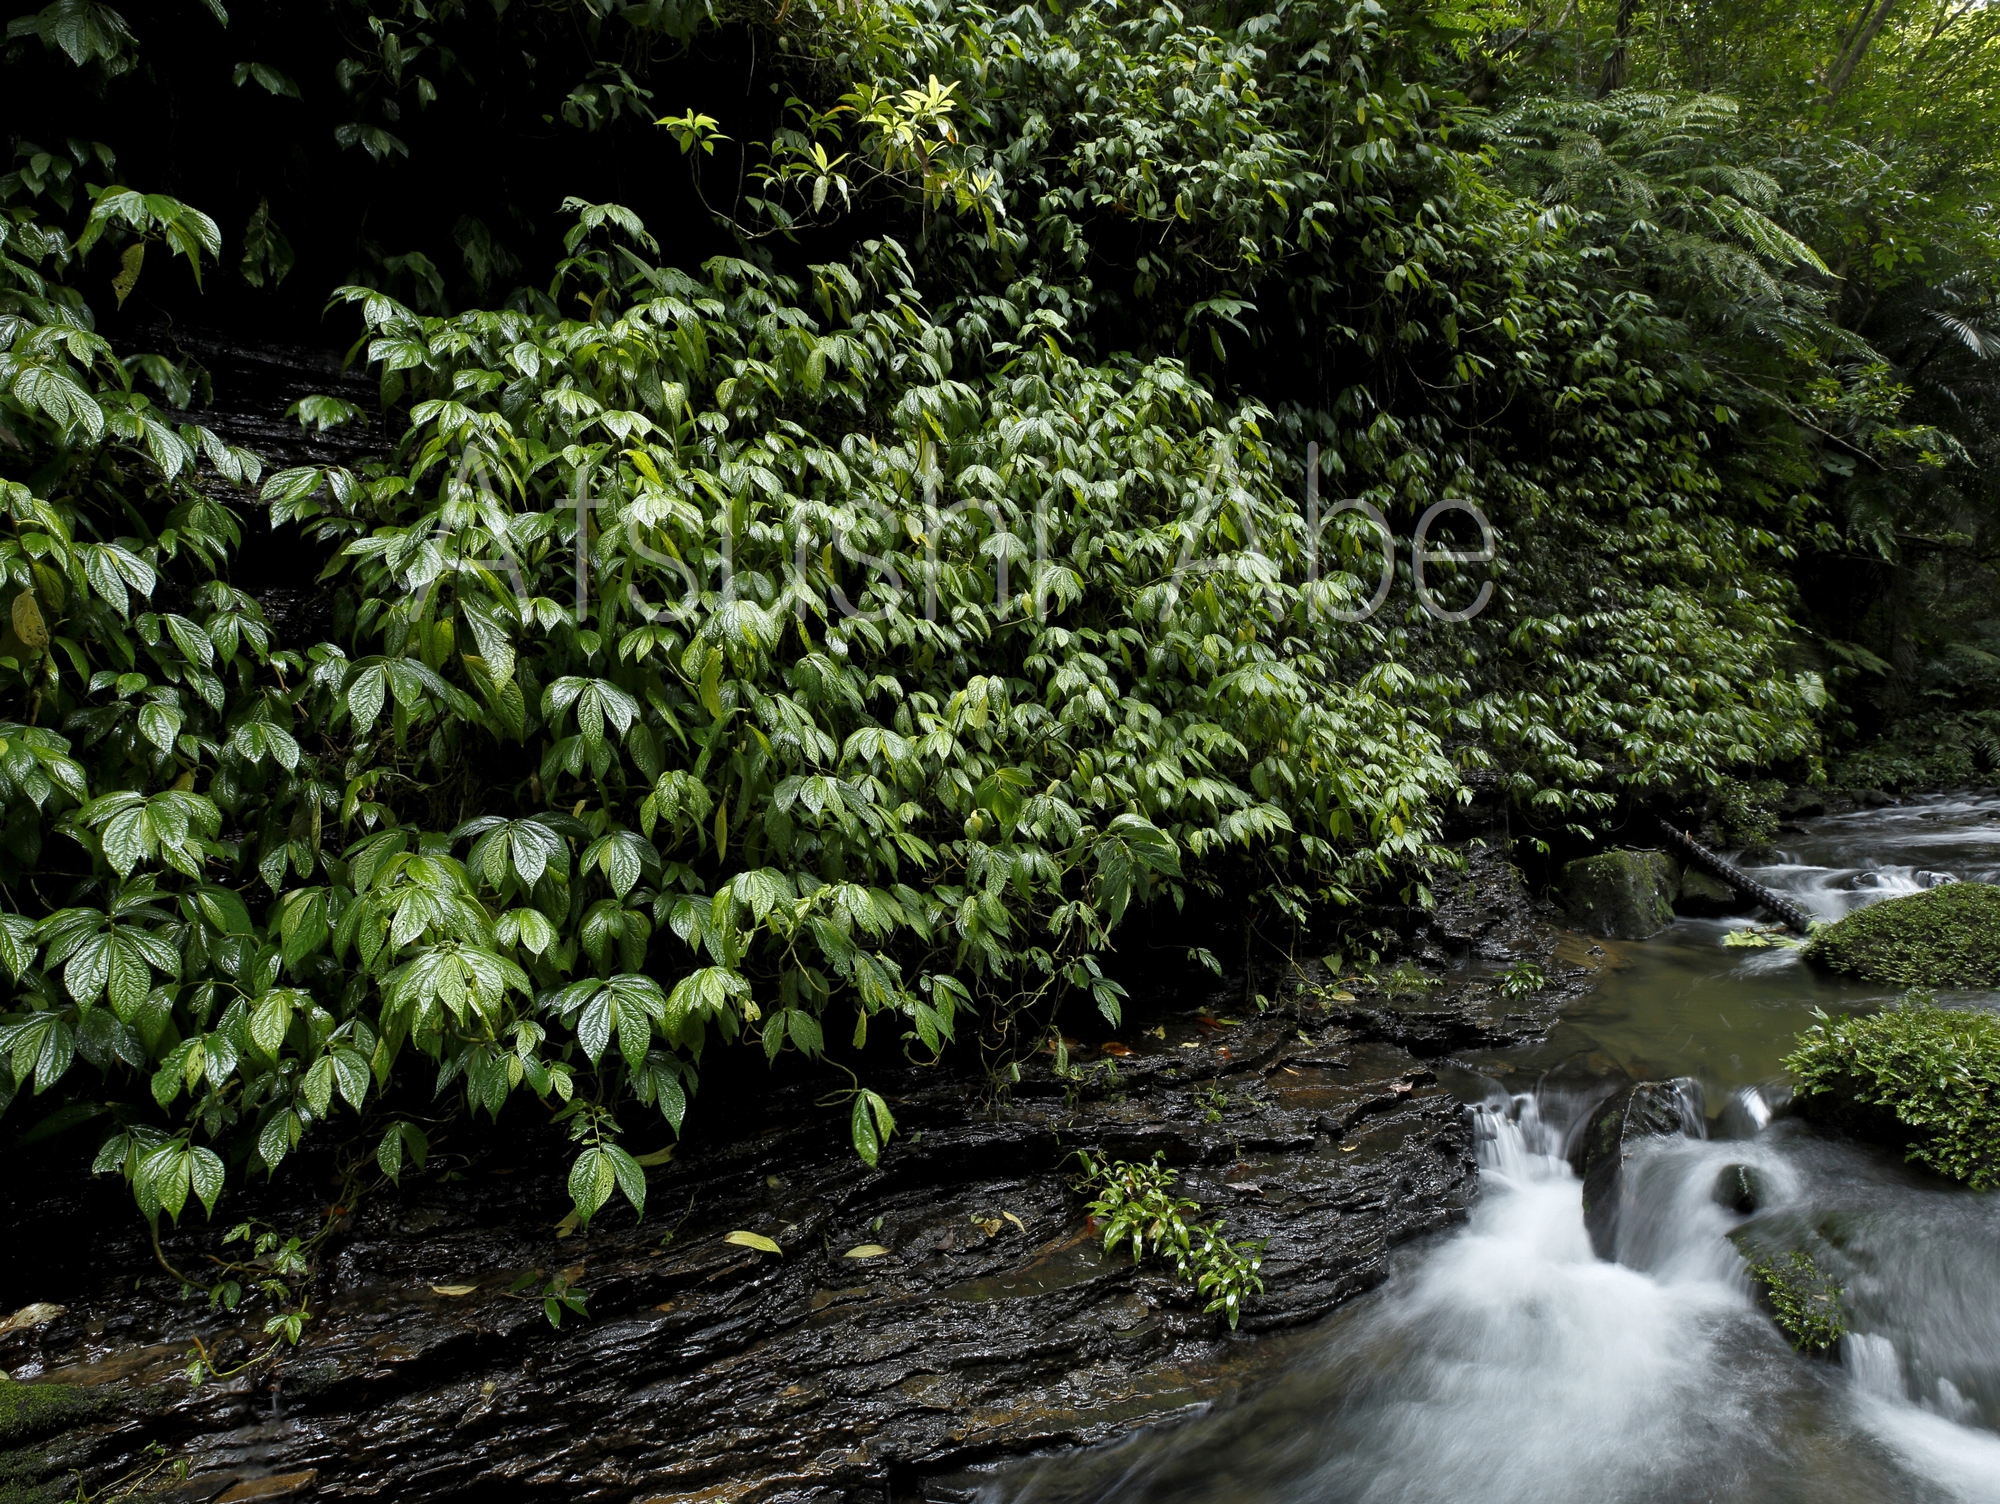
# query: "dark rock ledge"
708,1370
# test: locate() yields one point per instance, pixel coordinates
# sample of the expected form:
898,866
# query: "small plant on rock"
1803,1300
1523,977
1137,1205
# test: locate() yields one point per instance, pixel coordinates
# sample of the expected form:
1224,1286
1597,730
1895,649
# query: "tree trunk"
1850,58
1618,66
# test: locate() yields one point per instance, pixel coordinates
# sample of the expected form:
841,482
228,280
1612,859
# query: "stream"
1504,1362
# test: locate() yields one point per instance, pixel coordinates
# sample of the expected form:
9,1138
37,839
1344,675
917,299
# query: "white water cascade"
1510,1365
1507,1364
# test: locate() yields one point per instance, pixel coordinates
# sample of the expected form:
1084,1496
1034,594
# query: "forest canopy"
856,502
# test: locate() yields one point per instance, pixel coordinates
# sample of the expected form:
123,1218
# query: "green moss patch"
1948,937
29,1410
1923,1076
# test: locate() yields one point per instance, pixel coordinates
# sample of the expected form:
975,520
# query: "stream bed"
1505,1362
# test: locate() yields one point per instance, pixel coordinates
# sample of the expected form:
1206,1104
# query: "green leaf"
592,1179
271,1018
205,1173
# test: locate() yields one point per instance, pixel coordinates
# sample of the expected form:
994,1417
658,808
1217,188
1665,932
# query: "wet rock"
272,1486
1740,1189
1486,910
1706,897
1623,895
993,1324
1647,1110
1875,799
1485,918
1751,1109
40,1313
1802,804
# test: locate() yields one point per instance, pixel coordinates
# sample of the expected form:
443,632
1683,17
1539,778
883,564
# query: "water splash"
1511,1366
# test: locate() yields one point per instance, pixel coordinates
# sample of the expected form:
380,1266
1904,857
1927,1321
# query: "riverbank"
991,1325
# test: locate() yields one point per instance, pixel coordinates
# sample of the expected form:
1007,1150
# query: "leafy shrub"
1804,1302
1747,813
733,657
1948,936
1137,1205
1525,976
1926,1075
606,762
1924,754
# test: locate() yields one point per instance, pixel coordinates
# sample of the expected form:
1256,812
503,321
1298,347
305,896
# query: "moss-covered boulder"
1624,895
1947,937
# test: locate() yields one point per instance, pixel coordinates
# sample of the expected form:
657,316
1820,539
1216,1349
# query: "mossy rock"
1706,897
1623,895
28,1410
32,1471
1946,937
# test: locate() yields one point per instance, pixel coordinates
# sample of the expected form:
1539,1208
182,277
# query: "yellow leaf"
1341,997
754,1240
28,623
127,279
865,1251
657,1157
1015,1220
453,1290
567,1226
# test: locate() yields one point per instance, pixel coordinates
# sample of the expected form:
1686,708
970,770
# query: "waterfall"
1506,1364
1509,1365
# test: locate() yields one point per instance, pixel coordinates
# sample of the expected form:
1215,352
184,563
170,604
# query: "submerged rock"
1599,1155
1623,895
1947,936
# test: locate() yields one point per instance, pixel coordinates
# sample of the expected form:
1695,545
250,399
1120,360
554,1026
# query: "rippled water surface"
1508,1363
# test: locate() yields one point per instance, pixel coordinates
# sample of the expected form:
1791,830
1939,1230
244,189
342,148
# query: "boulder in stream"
1740,1189
1705,897
1599,1155
1948,936
1623,895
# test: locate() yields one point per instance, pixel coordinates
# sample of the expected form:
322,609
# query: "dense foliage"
1946,937
840,619
1928,1075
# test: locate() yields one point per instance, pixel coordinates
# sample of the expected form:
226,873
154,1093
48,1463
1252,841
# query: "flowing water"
1508,1363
